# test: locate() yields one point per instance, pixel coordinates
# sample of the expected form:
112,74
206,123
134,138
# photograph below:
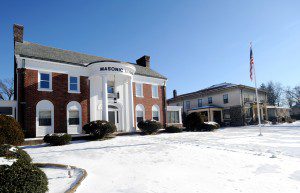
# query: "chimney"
174,93
18,33
144,61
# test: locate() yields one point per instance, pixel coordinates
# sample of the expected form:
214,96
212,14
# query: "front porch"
210,113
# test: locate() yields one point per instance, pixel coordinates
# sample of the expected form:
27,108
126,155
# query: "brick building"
60,91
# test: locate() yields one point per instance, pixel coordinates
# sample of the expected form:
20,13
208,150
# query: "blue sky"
194,43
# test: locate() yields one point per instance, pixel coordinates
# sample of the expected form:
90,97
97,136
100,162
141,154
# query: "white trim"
149,80
50,81
157,108
142,90
141,108
74,105
78,84
44,105
154,97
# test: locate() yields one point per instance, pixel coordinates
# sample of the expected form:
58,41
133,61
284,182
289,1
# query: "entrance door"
112,116
217,116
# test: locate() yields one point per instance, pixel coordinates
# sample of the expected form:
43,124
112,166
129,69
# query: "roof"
36,51
211,89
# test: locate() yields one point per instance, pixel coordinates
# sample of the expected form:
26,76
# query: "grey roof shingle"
32,50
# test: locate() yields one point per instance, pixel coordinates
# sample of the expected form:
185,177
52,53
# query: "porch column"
93,99
104,99
131,112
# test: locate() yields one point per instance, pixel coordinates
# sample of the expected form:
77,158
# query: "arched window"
140,113
74,113
155,112
44,118
45,111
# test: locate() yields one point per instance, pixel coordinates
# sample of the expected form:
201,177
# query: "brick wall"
147,101
59,97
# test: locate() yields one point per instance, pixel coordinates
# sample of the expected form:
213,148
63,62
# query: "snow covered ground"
227,160
59,180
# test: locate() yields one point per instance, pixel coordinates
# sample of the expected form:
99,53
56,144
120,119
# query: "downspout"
164,105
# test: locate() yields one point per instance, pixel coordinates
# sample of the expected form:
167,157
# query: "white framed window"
74,82
187,105
155,112
209,100
74,117
139,90
45,81
44,118
139,113
154,91
173,117
199,102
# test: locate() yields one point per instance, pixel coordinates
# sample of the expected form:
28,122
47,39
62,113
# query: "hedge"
100,129
57,139
149,127
10,131
173,129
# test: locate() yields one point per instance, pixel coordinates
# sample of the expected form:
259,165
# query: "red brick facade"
147,101
59,97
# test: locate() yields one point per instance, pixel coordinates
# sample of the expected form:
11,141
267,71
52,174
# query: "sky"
195,44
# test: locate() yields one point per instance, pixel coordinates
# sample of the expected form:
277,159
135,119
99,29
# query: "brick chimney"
144,61
18,33
174,93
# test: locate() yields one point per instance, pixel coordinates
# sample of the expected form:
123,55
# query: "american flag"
251,62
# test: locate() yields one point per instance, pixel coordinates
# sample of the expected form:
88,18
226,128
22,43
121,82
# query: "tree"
7,89
275,91
293,95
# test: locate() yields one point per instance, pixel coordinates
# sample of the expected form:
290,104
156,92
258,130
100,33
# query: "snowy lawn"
59,180
227,160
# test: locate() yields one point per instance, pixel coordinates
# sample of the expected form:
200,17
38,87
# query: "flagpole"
257,100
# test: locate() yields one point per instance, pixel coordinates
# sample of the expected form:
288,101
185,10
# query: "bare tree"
7,89
293,95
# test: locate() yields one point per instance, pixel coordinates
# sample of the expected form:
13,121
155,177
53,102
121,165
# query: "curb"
73,188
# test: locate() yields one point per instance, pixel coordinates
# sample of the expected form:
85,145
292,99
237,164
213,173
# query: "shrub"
58,139
173,129
12,152
149,127
21,175
100,129
10,131
194,121
209,126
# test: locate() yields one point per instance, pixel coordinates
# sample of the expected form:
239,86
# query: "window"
139,113
155,113
173,116
110,89
187,104
73,84
209,100
138,89
6,111
154,91
73,117
199,102
44,118
225,98
45,81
